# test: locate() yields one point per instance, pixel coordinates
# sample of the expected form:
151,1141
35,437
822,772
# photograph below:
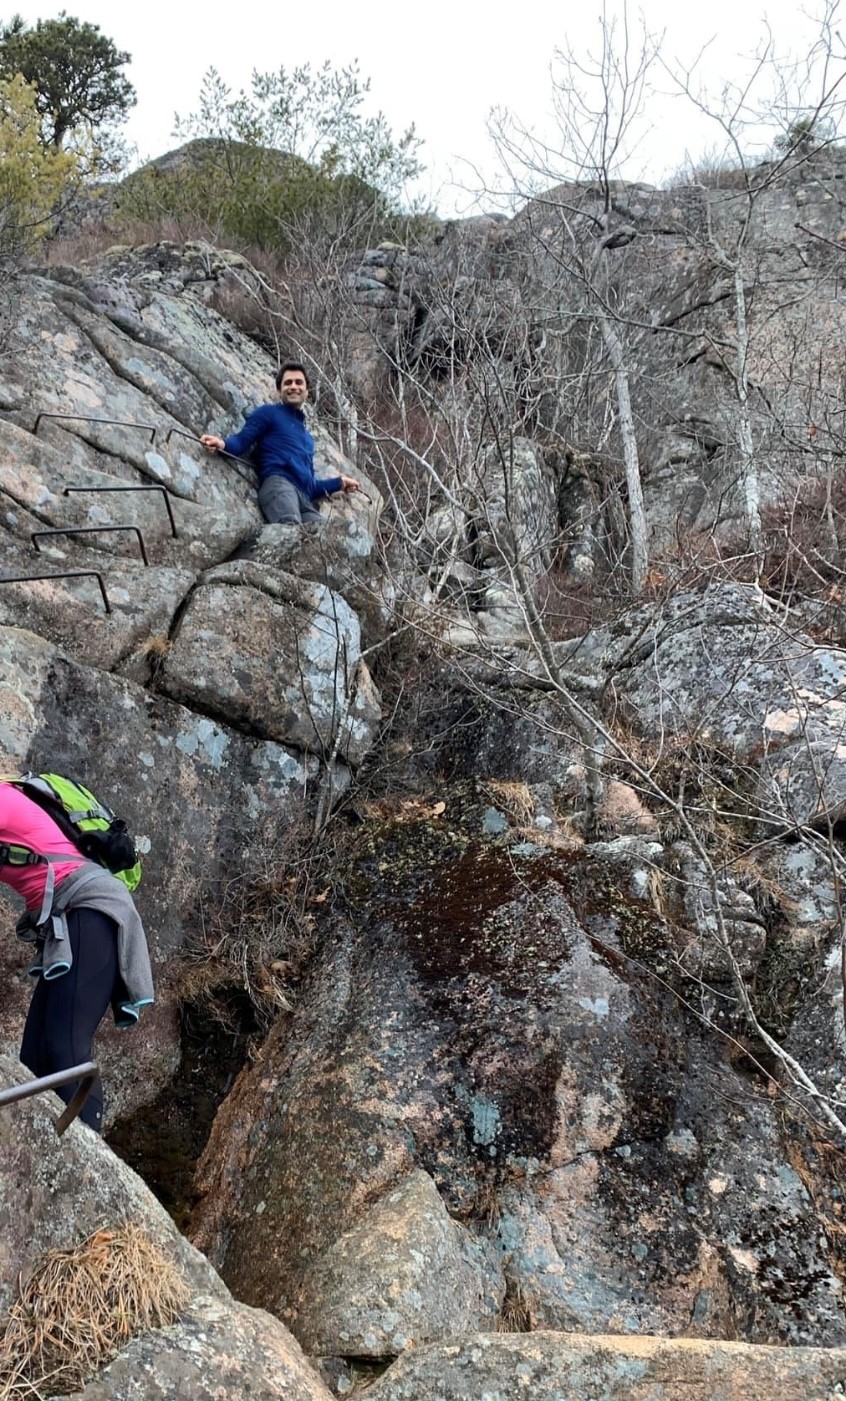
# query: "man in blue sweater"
288,488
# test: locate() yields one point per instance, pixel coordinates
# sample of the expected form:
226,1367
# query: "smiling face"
293,389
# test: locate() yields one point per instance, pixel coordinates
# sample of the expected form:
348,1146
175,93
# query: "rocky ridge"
494,1109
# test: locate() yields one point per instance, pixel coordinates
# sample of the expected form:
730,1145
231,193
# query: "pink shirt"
22,821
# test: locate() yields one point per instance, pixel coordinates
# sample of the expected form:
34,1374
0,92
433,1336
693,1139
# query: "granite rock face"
514,1098
113,374
625,1176
549,1366
279,656
405,1274
217,1352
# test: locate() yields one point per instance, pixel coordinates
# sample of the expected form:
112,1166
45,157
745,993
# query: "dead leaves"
406,810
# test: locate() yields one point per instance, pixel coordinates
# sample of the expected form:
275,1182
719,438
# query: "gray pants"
282,503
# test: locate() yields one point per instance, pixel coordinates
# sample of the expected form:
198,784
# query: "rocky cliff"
502,1079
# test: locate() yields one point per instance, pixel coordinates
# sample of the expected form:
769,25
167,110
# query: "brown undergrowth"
253,929
79,1307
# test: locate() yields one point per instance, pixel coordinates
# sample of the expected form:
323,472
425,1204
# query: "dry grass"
764,887
79,1307
515,1315
401,810
93,239
155,652
514,799
570,609
156,646
254,928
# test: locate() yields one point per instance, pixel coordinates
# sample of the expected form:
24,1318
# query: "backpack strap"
36,785
12,854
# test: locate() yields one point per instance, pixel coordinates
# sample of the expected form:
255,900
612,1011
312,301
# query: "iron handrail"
110,422
61,574
86,1074
149,486
249,476
89,530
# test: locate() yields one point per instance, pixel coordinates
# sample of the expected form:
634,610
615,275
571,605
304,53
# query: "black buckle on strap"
12,855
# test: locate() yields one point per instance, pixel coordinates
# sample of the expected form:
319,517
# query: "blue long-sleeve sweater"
285,448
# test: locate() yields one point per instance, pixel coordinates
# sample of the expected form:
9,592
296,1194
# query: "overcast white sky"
442,64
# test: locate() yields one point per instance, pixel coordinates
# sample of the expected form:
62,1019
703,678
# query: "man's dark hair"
291,365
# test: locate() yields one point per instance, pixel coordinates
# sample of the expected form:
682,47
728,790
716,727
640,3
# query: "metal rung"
248,476
86,1074
221,452
90,530
180,433
147,487
61,574
110,422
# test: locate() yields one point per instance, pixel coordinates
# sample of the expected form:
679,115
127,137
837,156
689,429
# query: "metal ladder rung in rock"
151,486
109,422
61,574
89,530
97,529
247,475
150,428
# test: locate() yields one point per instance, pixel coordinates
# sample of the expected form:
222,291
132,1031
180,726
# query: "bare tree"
575,229
804,99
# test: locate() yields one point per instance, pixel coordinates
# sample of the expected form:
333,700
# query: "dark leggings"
65,1012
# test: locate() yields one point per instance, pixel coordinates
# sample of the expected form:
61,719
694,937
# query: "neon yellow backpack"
85,821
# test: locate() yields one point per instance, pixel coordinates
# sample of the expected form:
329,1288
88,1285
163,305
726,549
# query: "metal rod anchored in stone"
61,574
181,433
149,486
86,1074
90,530
110,422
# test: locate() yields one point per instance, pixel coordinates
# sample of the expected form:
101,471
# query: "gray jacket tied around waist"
94,888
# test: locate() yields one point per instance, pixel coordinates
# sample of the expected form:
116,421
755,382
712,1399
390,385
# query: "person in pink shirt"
67,898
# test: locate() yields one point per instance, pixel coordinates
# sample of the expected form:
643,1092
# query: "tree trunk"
637,512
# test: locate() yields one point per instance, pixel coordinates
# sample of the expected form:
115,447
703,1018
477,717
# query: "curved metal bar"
111,422
86,1074
151,486
90,530
61,574
251,468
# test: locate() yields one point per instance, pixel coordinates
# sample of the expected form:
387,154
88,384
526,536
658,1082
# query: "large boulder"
406,1273
726,672
216,1352
552,1366
276,655
499,1015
